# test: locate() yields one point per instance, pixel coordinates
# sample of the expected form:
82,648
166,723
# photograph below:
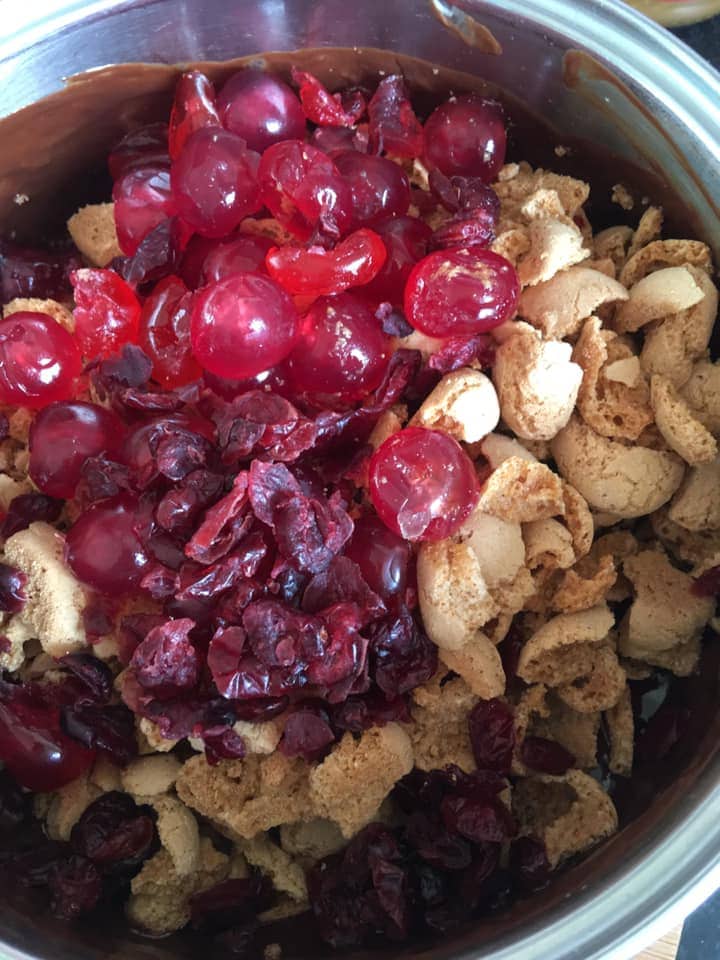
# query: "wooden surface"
665,949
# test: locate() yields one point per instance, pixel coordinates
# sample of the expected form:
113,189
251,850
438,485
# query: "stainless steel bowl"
642,94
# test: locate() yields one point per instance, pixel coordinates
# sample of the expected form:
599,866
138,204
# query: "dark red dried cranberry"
96,677
228,903
529,863
76,886
223,744
29,508
479,822
260,424
307,733
29,272
492,734
114,831
461,352
14,804
342,582
166,663
402,656
109,729
393,127
436,845
707,584
12,589
222,526
546,756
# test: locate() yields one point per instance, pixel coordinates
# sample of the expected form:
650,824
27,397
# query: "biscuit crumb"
94,234
353,780
622,196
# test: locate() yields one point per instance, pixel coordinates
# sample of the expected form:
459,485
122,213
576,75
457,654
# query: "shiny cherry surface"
141,201
422,484
103,550
165,333
107,312
380,188
383,556
63,435
39,360
242,325
461,292
316,271
261,109
466,137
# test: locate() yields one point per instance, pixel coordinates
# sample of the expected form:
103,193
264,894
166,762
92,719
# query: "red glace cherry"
341,353
261,109
165,333
466,137
39,360
103,550
304,190
244,254
193,108
422,484
242,325
107,312
461,292
406,240
62,436
380,188
141,201
383,556
316,271
214,183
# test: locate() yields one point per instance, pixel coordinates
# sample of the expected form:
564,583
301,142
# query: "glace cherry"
103,550
39,360
466,137
261,109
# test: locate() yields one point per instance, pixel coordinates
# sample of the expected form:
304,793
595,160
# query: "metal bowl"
635,89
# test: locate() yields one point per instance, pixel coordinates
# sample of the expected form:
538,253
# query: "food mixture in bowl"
358,502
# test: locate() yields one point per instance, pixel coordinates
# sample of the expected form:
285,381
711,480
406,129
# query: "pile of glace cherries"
208,418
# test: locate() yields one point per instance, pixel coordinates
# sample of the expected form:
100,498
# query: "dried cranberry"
222,525
76,887
492,734
476,213
707,584
457,352
174,446
12,589
336,140
113,831
259,424
529,863
224,744
158,255
546,756
109,729
29,272
29,508
95,677
342,582
307,733
228,903
394,128
402,656
261,109
180,506
193,108
479,822
316,272
166,663
39,360
319,105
